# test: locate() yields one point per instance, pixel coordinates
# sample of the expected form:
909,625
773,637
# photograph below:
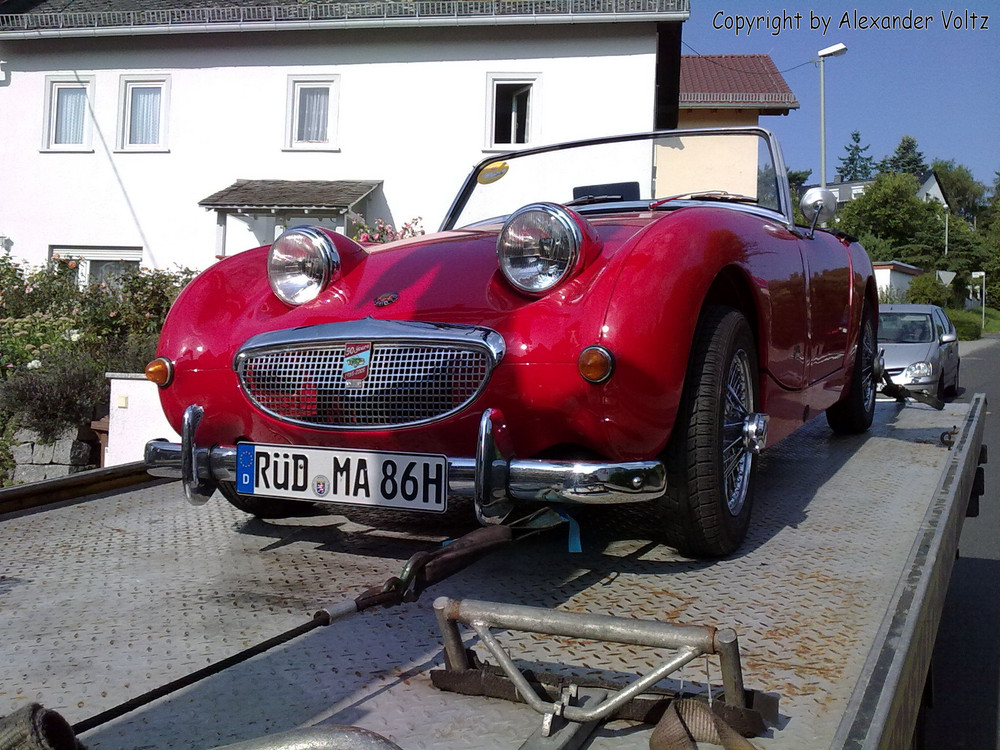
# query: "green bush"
23,341
57,341
927,290
968,323
56,396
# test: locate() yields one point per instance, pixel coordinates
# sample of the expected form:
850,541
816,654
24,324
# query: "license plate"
413,481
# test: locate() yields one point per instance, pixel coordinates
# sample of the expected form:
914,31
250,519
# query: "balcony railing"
386,10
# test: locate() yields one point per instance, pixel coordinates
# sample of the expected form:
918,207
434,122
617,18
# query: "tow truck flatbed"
835,596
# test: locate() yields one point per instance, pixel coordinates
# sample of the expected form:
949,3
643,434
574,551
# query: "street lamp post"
835,51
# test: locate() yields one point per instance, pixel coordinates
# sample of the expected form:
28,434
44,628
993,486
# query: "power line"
742,70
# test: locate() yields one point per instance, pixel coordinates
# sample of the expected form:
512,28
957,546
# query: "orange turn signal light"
596,364
160,371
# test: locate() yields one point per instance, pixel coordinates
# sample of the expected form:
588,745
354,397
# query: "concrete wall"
135,418
413,110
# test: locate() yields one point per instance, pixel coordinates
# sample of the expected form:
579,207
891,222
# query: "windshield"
738,166
905,328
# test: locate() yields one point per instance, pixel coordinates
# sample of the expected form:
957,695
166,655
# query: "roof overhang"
777,102
342,15
286,197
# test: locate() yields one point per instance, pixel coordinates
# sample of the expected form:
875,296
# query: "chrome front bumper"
495,479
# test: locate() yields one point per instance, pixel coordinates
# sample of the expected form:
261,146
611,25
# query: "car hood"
447,277
899,356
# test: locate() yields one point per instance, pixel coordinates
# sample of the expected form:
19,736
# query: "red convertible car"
617,320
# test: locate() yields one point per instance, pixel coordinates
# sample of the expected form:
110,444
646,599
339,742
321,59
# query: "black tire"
709,467
267,507
854,412
952,390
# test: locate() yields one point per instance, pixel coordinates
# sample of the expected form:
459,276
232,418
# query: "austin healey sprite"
617,320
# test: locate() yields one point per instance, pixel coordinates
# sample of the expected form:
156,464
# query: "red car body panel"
639,295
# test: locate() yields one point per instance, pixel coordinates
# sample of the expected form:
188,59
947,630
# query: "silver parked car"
921,348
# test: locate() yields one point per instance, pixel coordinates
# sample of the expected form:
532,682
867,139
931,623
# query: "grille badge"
386,299
357,358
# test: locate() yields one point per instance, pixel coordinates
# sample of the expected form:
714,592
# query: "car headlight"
539,247
301,262
919,370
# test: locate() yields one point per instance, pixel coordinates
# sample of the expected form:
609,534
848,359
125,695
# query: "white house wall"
412,112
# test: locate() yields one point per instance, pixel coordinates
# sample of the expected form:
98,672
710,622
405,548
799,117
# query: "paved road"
966,679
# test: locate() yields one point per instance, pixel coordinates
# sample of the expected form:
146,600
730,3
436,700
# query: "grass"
969,323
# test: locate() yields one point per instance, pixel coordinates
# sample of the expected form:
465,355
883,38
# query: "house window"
142,113
512,110
312,112
67,113
100,265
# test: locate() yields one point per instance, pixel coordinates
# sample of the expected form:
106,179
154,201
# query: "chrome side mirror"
818,205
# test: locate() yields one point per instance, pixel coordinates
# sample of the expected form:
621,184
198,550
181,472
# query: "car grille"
407,383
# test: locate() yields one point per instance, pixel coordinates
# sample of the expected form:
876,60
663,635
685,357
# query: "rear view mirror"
818,205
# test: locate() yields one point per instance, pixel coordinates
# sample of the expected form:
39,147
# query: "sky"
940,85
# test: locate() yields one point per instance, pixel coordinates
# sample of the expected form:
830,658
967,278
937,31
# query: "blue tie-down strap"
574,531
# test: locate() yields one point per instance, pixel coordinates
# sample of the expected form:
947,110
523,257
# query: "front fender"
669,275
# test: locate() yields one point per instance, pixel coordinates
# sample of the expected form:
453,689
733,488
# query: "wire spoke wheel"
737,459
710,457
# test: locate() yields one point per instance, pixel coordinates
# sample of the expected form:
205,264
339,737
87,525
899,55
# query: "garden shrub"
968,323
58,341
927,290
54,397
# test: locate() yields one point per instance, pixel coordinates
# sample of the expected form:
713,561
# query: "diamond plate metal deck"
107,598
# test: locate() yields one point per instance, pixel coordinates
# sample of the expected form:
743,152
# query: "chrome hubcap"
755,432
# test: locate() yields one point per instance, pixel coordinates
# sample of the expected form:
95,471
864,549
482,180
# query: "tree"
856,165
906,158
889,210
797,178
927,290
966,196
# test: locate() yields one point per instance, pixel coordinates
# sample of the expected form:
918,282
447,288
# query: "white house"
893,277
928,189
173,136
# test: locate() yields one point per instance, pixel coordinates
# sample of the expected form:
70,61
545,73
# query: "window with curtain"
67,113
312,112
71,111
144,117
142,113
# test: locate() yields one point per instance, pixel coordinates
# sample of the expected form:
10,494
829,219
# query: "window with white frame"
100,265
142,109
67,113
512,115
312,112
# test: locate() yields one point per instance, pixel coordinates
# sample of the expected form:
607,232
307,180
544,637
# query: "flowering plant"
57,340
383,231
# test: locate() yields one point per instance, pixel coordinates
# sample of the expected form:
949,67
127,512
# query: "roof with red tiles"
731,81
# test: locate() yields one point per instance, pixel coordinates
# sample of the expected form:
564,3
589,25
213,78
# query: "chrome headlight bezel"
555,237
301,263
